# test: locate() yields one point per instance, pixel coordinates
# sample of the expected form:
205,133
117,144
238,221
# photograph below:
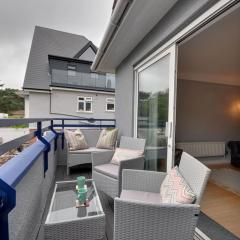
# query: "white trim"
172,52
163,51
81,90
84,104
106,103
213,11
37,91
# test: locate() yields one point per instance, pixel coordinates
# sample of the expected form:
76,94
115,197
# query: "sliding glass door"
155,114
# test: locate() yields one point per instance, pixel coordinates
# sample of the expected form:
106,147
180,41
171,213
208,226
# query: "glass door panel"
155,111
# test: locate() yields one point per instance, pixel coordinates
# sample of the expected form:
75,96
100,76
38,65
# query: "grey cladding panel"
49,42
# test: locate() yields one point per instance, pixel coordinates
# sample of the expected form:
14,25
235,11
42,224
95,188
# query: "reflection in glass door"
154,113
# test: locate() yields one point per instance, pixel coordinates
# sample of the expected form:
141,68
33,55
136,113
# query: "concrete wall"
207,112
64,104
31,196
182,13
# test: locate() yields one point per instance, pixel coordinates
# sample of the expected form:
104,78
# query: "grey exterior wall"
65,102
61,103
207,112
182,13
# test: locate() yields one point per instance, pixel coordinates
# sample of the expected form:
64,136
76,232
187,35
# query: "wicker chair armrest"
141,180
99,158
133,163
138,220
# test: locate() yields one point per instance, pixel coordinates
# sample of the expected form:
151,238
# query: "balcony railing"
76,73
26,179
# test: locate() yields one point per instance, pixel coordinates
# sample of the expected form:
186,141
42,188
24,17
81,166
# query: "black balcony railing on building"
16,169
76,73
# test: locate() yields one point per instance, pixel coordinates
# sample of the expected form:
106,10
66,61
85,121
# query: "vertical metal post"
7,203
62,133
56,138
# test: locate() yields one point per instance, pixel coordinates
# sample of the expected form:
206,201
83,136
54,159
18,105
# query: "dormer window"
71,70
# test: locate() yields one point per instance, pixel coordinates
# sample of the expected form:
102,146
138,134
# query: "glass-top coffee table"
66,221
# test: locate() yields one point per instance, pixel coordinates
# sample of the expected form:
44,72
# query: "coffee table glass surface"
63,206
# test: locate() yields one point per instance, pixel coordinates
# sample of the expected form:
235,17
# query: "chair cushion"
147,197
76,140
107,139
175,189
122,154
89,150
109,169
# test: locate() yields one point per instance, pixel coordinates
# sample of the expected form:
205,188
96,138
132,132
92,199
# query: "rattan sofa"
139,213
107,176
78,157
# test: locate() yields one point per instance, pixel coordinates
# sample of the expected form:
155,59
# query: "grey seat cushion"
147,197
109,169
89,150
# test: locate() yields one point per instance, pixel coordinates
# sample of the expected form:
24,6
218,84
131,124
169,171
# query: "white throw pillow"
175,189
76,140
122,154
107,139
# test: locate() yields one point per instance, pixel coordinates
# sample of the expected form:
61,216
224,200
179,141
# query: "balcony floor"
205,224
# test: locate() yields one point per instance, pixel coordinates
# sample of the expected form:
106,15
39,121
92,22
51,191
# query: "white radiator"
203,149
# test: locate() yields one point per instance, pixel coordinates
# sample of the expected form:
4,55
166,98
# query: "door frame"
172,52
217,10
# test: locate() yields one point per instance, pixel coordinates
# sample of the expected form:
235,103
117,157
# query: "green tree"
10,101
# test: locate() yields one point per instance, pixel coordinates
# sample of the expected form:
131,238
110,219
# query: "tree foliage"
10,101
154,108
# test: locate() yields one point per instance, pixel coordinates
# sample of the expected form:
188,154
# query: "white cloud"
19,17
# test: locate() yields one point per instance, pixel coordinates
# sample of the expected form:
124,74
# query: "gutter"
115,21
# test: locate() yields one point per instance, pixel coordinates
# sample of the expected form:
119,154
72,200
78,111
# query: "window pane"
81,106
153,112
88,106
71,70
88,99
71,73
110,106
81,98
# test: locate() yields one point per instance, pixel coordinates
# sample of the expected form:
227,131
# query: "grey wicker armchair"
139,213
107,176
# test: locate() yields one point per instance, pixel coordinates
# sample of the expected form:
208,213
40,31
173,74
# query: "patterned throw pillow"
107,139
174,189
76,140
124,154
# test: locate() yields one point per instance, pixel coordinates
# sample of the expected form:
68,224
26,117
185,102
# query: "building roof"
117,43
51,42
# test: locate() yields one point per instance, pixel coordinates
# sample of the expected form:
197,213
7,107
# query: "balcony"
27,180
74,73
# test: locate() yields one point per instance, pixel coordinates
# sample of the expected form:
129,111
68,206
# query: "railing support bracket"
46,143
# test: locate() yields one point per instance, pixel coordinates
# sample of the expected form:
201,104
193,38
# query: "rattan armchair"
139,213
107,176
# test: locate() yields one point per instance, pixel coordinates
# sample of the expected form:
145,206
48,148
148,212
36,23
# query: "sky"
19,17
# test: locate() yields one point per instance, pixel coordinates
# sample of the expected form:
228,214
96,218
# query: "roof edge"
119,11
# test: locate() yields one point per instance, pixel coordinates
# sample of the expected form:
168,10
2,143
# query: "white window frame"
85,100
109,101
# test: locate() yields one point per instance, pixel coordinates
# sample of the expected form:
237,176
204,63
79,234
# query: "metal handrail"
7,122
84,122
